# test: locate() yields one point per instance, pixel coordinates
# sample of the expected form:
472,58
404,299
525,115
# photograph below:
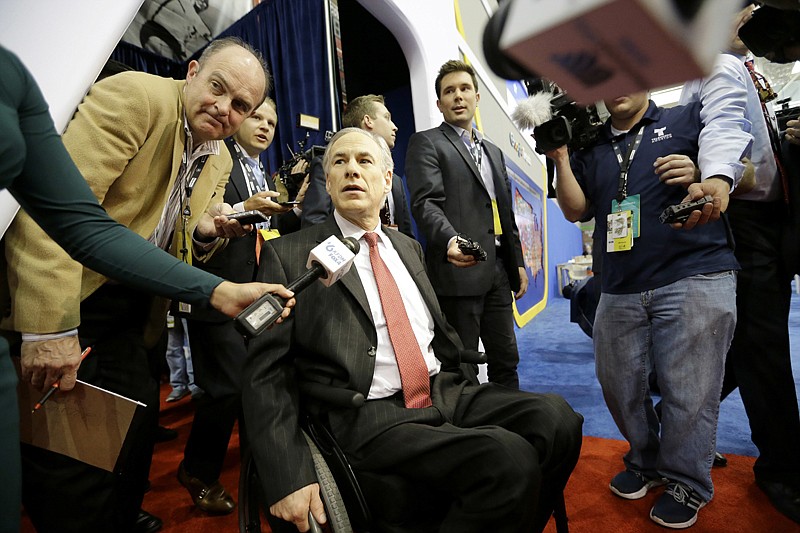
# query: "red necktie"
413,370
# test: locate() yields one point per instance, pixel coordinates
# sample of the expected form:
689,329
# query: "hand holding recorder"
719,191
328,262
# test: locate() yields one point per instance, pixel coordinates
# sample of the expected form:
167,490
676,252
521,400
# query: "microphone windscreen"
533,111
351,244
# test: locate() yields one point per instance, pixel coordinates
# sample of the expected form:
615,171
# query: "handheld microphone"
533,111
600,49
328,262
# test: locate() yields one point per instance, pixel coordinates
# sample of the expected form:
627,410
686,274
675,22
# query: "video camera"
291,181
556,119
601,49
576,126
770,32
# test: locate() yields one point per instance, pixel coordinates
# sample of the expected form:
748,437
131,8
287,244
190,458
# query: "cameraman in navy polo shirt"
668,300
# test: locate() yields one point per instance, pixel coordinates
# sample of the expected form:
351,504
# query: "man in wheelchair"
502,455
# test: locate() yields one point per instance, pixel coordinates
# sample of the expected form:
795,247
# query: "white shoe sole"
677,525
641,493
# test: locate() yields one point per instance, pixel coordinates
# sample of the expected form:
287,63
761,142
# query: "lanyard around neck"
625,163
252,180
190,183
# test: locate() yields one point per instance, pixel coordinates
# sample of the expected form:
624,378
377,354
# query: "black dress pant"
218,355
489,317
502,455
759,361
62,495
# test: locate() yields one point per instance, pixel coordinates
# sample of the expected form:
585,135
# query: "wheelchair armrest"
332,395
473,357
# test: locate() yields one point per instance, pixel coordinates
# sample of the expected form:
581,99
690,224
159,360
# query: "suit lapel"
270,182
493,155
178,148
237,177
415,267
461,148
350,281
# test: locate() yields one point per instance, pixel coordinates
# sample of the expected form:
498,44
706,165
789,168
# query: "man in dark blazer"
369,113
218,350
502,453
459,186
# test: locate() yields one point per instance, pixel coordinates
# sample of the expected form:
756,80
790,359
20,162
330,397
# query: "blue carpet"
556,356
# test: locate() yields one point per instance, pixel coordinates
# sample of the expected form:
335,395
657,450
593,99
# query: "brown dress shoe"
213,499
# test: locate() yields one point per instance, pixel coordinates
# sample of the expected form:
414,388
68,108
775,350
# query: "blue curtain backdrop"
290,34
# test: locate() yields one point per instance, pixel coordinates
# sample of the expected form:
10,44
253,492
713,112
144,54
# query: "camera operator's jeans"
681,332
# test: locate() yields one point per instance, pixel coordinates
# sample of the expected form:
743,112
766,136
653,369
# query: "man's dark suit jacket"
448,197
237,262
317,205
219,354
329,338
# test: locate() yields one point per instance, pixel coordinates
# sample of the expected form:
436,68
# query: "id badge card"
268,234
619,233
632,204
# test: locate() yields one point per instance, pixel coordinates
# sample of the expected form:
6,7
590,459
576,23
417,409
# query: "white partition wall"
64,45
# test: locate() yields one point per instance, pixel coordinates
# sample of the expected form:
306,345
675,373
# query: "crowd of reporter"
200,144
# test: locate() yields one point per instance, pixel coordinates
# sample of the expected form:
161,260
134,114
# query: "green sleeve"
41,176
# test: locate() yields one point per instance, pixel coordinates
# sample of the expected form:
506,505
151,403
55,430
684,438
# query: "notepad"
87,423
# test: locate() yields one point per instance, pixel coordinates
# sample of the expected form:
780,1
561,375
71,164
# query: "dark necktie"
413,370
473,147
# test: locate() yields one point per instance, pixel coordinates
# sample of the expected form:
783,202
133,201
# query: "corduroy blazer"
127,139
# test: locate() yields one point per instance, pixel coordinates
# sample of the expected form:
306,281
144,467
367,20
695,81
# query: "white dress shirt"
386,378
734,126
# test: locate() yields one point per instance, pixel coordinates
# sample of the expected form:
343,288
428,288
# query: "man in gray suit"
459,186
368,112
501,453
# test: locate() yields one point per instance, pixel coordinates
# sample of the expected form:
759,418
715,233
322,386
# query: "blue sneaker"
176,395
632,485
677,508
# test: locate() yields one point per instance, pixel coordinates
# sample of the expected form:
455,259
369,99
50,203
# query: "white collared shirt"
735,126
386,378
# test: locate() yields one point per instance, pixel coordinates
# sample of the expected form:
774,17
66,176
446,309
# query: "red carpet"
738,506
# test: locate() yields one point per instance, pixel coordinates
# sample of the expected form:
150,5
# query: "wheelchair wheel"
334,505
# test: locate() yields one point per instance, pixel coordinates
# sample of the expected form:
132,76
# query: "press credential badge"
619,234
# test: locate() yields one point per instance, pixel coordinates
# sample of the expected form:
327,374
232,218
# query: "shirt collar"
206,148
349,229
740,57
652,114
461,131
252,161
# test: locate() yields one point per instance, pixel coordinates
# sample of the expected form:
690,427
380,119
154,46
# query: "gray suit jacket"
330,338
449,197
